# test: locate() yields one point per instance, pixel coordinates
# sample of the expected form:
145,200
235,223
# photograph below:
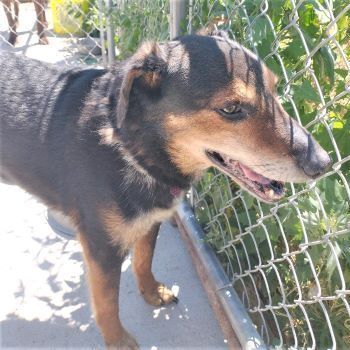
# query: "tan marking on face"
238,92
270,77
125,233
249,141
243,91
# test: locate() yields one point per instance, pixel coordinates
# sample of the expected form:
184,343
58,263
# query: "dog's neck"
142,174
147,151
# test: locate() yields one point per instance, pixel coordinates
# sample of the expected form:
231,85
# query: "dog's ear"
211,30
147,64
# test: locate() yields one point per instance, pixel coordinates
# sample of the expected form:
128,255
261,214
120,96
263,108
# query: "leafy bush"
136,21
133,22
79,17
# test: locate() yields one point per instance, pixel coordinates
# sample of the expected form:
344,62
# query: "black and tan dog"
116,149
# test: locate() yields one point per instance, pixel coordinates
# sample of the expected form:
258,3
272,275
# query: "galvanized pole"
190,16
177,15
102,33
110,33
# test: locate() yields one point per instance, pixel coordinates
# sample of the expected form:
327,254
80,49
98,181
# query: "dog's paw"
126,342
159,295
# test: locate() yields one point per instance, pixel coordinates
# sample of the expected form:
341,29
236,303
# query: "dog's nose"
316,161
316,167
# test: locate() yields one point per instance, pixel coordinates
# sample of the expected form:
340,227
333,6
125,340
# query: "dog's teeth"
271,193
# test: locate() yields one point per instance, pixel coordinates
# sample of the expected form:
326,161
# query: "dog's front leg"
155,293
103,263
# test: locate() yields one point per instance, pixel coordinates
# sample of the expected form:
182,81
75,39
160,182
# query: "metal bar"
177,14
235,311
110,33
190,17
102,33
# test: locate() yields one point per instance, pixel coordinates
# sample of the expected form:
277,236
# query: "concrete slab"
44,297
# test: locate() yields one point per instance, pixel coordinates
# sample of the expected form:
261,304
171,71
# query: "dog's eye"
230,111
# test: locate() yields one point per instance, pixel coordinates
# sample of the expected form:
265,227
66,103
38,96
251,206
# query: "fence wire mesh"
81,31
290,262
137,20
62,31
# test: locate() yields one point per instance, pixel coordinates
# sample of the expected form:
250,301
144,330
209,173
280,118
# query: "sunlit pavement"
44,297
61,50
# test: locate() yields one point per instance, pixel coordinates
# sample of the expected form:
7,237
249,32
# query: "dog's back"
39,106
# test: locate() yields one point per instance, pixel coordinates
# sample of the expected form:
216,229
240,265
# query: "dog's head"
204,100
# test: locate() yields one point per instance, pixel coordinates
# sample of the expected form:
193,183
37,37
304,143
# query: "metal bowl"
61,224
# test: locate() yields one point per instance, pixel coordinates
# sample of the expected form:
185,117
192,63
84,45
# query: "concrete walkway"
67,50
44,297
43,294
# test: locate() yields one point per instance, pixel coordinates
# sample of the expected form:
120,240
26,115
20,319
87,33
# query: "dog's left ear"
146,64
211,30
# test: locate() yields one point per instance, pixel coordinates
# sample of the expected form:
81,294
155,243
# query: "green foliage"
136,21
319,212
133,22
85,14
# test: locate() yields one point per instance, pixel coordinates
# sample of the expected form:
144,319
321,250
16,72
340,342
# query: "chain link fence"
61,31
88,32
290,263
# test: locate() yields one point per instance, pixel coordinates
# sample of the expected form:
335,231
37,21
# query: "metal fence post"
102,33
177,14
190,17
110,33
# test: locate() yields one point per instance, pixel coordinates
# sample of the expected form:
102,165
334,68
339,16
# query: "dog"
12,19
116,150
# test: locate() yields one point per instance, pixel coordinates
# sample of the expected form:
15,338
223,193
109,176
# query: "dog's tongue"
252,175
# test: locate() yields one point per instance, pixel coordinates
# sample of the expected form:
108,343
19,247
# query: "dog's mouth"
263,188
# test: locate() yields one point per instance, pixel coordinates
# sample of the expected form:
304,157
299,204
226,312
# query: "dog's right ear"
146,64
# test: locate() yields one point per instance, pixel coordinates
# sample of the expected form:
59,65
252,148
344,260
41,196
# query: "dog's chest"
126,232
